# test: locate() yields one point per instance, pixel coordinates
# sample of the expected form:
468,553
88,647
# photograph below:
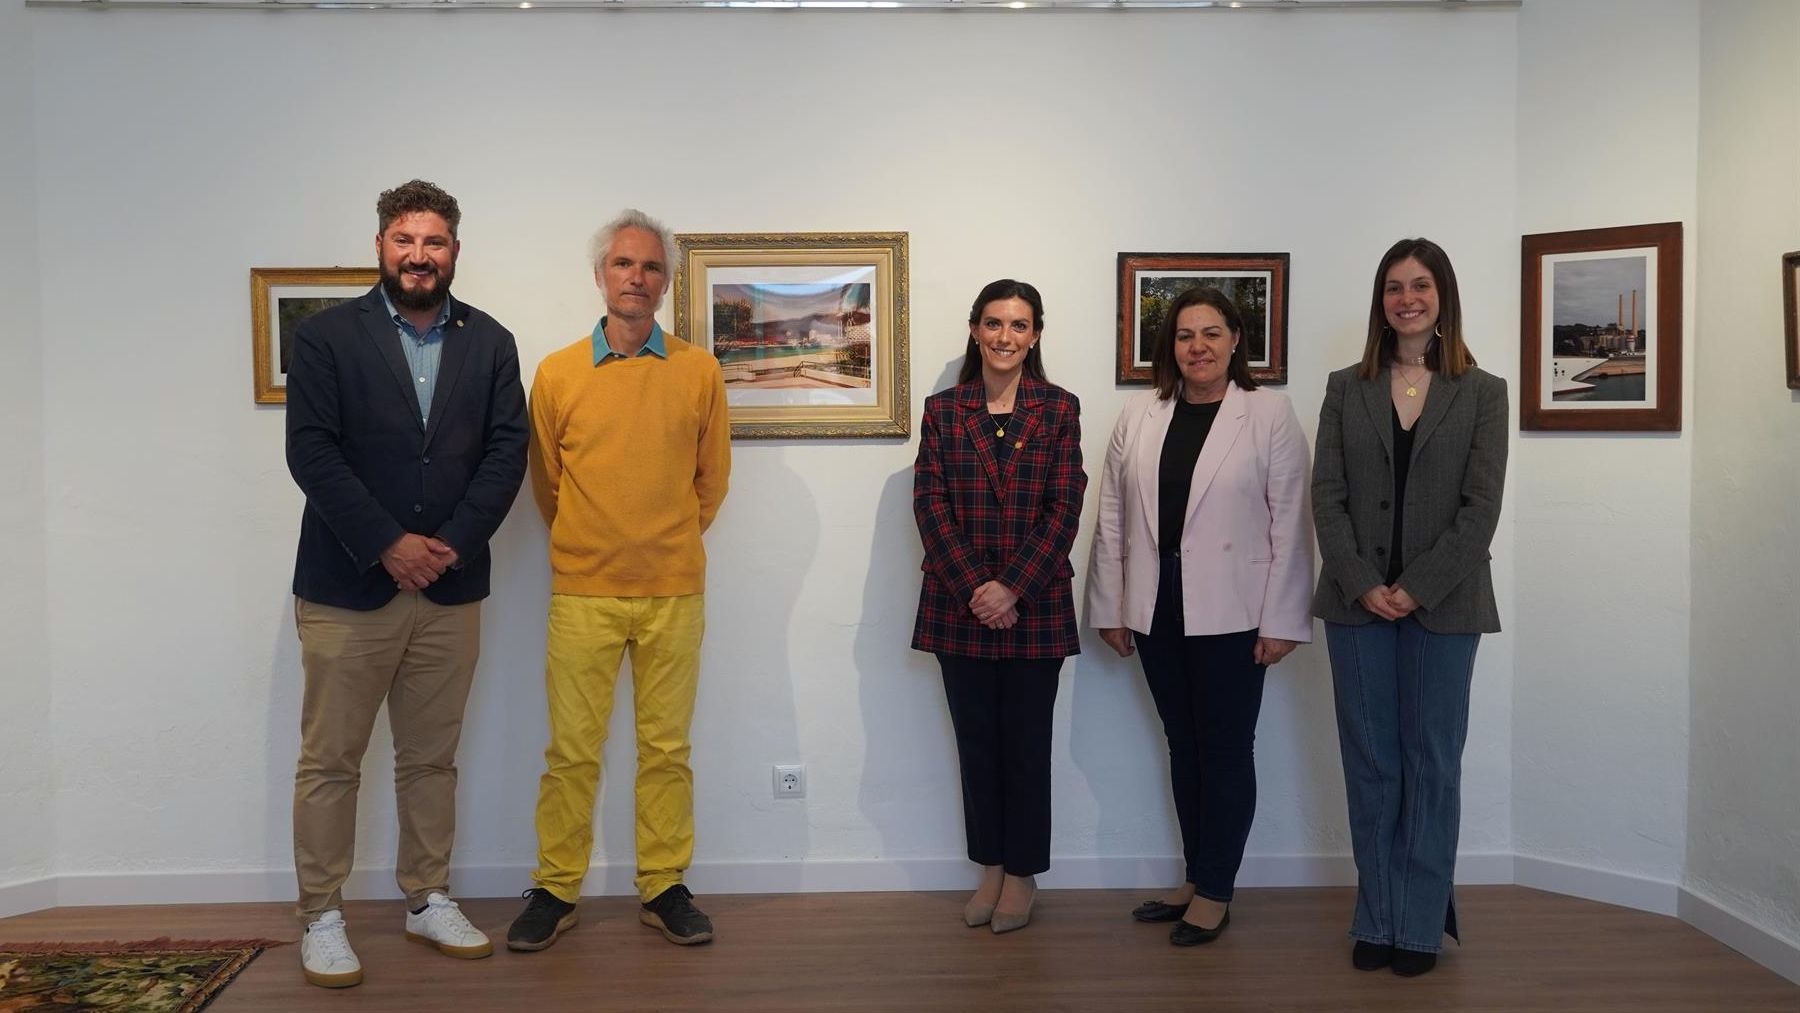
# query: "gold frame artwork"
848,374
318,287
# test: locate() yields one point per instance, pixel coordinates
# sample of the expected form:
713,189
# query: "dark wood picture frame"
1790,303
1541,370
1134,348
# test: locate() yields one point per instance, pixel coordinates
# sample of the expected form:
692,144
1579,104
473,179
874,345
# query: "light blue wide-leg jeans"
1403,715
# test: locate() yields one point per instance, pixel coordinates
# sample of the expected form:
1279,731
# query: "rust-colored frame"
1666,416
1128,373
1790,301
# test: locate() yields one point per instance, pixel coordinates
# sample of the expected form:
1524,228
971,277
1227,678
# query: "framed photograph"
281,297
809,328
1790,300
1600,323
1256,282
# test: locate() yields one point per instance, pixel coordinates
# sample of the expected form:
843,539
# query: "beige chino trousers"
419,657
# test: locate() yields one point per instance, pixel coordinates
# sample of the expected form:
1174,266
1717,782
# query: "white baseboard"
1603,885
1713,917
27,896
852,875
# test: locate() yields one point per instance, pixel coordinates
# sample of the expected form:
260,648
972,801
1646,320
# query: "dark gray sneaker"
545,917
674,914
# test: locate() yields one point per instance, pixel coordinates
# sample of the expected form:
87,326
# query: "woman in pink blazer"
1202,556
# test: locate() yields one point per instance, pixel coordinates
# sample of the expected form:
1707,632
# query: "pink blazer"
1246,546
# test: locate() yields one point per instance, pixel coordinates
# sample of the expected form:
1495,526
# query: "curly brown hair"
416,195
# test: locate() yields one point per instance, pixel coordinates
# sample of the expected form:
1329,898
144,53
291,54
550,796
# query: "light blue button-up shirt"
423,352
655,346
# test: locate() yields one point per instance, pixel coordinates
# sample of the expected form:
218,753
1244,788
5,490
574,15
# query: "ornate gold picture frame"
281,297
809,327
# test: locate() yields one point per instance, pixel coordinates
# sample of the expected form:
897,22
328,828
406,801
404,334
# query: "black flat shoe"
1157,911
1368,956
1412,963
1189,934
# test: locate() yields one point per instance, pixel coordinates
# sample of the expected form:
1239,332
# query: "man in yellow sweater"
631,452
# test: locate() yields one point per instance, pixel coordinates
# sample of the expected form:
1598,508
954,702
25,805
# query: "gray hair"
632,218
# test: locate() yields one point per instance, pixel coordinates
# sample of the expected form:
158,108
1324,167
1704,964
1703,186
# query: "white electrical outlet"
790,780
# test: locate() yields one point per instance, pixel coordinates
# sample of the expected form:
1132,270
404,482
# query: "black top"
1403,446
1175,471
1003,440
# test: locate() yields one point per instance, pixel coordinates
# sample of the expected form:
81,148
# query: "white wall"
1744,795
1037,147
25,751
1608,126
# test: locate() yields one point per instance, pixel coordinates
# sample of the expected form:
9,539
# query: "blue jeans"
1403,715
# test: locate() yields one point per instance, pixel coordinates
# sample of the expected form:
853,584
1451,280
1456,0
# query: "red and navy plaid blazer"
1012,519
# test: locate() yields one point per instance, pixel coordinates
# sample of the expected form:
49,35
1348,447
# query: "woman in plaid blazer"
997,495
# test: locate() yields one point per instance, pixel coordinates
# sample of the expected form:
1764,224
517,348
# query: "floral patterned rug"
159,976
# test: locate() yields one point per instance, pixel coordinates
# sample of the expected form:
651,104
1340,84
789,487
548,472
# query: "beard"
421,298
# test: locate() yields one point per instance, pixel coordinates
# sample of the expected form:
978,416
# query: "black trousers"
1208,692
1001,711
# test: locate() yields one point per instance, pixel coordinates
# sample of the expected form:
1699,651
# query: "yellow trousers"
587,636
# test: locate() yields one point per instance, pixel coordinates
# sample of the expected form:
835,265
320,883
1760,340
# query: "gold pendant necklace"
1412,385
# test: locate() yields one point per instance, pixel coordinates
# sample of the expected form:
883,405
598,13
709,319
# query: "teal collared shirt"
423,352
655,346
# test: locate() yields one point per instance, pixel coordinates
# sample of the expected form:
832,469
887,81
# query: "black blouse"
1188,429
1403,448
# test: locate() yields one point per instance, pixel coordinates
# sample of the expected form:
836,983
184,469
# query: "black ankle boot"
1367,956
1412,963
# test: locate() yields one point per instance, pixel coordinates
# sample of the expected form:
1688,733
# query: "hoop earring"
1438,330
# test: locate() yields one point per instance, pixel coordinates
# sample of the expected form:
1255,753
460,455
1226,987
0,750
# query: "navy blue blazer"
371,471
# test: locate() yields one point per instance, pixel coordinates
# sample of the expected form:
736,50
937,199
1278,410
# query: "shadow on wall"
746,717
504,725
910,783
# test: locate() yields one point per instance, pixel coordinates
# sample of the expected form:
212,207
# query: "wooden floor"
896,952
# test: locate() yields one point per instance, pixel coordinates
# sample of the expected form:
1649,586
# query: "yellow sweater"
629,463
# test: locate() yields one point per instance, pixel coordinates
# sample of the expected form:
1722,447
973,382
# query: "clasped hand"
417,561
995,605
1389,601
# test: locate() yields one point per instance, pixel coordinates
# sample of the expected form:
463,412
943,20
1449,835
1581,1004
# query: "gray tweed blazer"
1452,499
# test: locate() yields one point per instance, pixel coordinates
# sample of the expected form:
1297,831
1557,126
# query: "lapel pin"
459,323
1019,445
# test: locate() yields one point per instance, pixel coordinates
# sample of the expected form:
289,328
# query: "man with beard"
631,455
406,431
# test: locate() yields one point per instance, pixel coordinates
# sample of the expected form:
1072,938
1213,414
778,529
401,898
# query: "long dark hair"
998,291
1165,372
1446,352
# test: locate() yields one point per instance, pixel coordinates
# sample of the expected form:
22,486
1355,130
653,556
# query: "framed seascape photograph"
1790,302
281,297
1600,323
1256,282
809,328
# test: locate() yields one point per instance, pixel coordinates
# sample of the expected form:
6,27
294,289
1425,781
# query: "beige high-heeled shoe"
1002,921
976,915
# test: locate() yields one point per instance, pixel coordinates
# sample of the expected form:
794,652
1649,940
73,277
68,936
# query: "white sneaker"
442,925
326,955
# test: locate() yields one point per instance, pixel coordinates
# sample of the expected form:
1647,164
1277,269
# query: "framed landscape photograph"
1600,323
281,297
1257,283
1790,302
810,329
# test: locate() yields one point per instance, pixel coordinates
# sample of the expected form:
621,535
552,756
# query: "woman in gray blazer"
1407,478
